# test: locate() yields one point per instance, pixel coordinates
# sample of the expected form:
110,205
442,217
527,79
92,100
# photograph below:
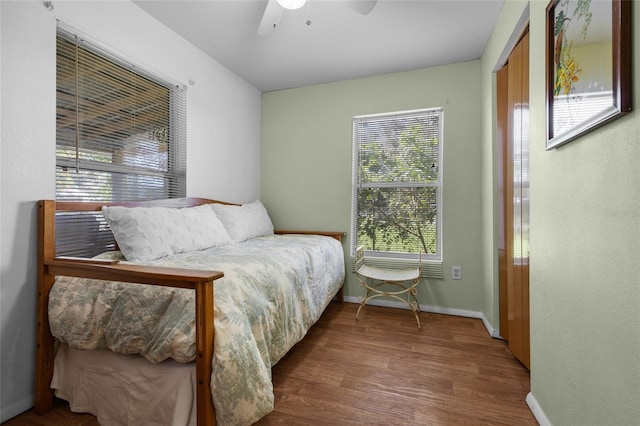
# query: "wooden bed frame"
49,266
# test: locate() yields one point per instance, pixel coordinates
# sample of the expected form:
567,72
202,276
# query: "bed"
136,322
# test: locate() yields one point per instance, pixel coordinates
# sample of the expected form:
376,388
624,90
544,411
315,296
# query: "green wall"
306,156
585,263
585,249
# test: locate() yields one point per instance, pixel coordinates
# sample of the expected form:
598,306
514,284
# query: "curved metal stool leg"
373,278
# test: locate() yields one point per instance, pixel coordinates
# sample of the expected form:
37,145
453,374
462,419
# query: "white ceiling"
339,43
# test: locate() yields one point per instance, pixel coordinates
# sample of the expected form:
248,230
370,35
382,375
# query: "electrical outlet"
456,272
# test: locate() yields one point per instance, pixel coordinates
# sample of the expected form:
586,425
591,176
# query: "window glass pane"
399,150
402,220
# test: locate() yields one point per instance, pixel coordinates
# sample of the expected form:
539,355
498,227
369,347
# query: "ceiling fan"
275,8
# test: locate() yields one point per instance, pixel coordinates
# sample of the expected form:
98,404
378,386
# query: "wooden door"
513,184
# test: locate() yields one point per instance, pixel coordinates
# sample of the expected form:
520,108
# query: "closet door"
513,160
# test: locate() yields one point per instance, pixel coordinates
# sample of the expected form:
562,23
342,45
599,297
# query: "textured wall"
585,249
585,263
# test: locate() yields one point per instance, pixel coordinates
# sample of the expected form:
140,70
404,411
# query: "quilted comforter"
273,290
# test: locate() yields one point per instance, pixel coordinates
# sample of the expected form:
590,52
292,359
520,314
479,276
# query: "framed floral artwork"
588,66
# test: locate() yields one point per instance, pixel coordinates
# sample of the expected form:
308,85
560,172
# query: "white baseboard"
433,309
535,408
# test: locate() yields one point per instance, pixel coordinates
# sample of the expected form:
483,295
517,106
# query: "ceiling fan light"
292,4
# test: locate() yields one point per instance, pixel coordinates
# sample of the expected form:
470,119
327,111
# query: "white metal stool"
373,278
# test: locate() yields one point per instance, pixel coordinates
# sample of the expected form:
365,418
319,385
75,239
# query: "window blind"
121,133
397,184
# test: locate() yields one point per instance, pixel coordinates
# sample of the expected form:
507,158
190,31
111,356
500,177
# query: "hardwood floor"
383,370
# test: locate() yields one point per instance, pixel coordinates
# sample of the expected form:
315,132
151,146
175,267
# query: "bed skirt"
125,389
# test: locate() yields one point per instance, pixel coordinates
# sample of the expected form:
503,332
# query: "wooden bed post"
204,353
43,395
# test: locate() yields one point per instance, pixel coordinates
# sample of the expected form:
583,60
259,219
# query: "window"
120,132
397,184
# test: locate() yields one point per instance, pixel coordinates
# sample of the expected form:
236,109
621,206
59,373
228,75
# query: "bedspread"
273,290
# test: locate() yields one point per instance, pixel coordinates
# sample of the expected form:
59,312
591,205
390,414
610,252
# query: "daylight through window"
397,185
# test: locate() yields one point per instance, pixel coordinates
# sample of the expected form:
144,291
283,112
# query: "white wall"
28,155
223,147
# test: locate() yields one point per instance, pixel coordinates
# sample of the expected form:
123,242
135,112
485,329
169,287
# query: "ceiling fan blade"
270,18
361,6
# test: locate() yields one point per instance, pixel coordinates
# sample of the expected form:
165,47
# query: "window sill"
429,268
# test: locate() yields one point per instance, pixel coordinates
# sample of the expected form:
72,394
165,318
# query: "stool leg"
365,298
415,308
359,307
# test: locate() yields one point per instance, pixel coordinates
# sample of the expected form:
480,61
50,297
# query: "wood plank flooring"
382,370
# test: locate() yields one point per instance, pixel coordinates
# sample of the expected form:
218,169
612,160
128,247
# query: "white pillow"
244,222
147,233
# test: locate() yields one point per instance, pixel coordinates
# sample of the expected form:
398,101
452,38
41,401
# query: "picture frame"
588,66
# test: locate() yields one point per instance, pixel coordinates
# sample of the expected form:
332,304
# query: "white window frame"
392,259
